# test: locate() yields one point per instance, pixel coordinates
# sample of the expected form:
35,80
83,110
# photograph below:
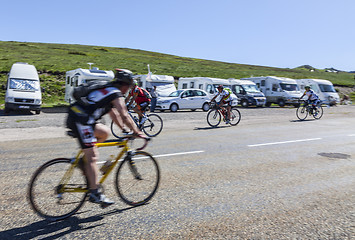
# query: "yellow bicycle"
58,189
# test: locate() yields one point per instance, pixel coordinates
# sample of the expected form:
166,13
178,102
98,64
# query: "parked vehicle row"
23,89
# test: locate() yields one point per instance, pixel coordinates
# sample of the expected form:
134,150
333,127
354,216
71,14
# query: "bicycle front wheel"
47,195
234,117
153,125
318,112
301,113
137,179
213,118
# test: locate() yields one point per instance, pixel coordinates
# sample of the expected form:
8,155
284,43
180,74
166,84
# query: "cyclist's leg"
229,107
138,111
101,132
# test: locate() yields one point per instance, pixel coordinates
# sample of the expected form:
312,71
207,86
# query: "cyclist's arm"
116,117
215,97
302,95
121,108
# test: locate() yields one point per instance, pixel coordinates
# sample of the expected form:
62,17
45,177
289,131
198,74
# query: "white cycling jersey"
225,95
311,95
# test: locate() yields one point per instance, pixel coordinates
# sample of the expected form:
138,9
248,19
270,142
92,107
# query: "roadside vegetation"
53,60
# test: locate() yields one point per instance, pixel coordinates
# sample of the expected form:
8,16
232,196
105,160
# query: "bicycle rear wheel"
137,179
317,112
302,113
153,125
213,118
234,117
45,191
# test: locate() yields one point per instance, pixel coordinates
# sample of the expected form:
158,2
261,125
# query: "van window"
71,81
24,84
68,79
326,88
210,89
200,86
237,89
274,87
263,83
192,84
258,85
184,85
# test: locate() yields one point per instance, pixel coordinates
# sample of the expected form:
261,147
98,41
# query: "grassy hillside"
53,60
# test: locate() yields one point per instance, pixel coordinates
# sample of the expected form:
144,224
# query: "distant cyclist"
82,120
312,97
142,99
225,99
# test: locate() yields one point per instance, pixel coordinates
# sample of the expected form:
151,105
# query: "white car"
184,99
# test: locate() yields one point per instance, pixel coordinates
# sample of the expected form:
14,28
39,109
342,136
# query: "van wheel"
281,103
244,103
267,104
174,107
205,107
38,111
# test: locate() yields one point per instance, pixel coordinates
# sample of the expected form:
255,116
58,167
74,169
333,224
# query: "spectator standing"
154,94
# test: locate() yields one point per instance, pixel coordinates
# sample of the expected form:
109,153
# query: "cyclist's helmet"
220,87
123,77
307,87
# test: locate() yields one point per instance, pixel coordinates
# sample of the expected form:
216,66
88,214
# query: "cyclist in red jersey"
142,100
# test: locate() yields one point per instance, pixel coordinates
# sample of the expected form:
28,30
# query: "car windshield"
289,87
176,93
326,88
251,88
24,84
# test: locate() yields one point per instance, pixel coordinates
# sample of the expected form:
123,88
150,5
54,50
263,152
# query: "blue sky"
279,33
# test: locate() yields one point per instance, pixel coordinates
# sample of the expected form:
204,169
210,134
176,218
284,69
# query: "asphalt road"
270,177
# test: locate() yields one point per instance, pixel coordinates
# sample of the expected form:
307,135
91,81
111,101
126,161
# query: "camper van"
247,92
165,84
79,76
279,90
323,88
207,84
23,88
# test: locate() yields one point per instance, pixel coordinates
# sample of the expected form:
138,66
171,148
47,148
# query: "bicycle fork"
132,165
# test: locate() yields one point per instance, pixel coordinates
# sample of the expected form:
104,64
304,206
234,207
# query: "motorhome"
323,88
280,90
164,83
79,76
247,92
206,83
23,88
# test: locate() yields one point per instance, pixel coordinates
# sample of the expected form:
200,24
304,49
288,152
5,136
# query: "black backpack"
81,92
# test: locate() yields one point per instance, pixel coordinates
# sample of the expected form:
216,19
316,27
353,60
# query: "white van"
207,84
79,76
164,83
247,92
323,88
279,90
23,88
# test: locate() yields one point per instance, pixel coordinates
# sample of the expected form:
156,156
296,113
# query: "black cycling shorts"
84,133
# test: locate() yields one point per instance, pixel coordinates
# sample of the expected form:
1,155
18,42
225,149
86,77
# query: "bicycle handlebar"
134,136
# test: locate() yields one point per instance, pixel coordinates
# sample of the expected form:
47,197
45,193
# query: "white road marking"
351,135
292,141
166,155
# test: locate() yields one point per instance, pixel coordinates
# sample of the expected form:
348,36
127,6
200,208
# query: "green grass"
26,120
53,60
